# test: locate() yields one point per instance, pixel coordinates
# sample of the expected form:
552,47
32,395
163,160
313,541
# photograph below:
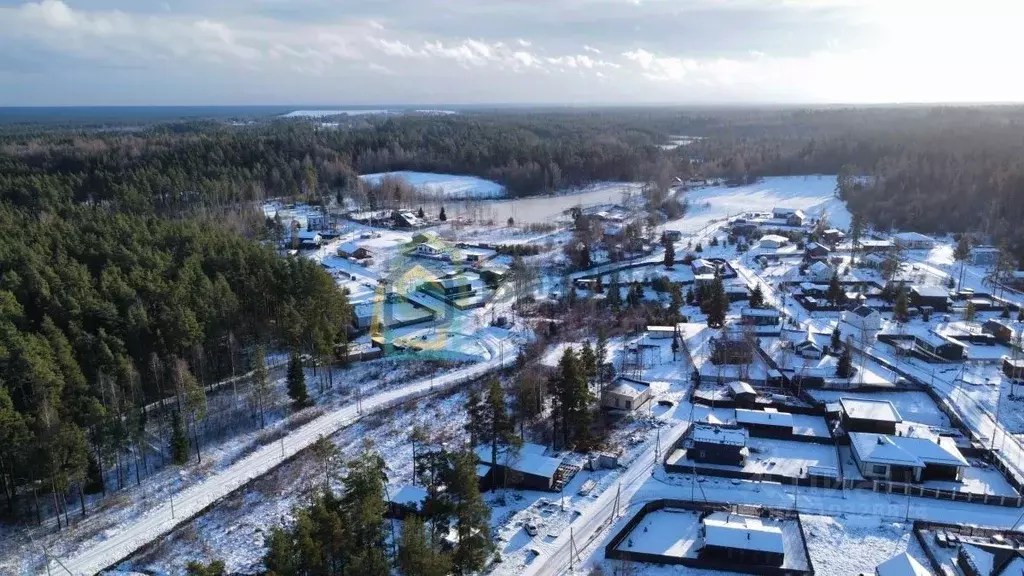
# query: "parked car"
531,529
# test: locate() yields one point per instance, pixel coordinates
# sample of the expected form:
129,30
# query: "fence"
612,551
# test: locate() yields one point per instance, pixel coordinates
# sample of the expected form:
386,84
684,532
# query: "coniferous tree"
296,379
214,568
420,214
442,216
614,297
961,254
844,368
417,554
715,303
835,292
476,425
262,392
901,310
472,517
670,251
179,441
756,297
970,312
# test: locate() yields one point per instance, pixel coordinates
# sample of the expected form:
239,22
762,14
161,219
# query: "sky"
370,52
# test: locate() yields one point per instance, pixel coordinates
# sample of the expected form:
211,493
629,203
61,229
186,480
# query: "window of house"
878,469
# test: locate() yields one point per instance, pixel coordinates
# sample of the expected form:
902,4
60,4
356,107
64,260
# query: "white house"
701,266
863,318
820,272
773,241
309,238
426,249
913,241
905,458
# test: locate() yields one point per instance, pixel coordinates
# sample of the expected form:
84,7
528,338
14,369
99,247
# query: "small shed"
626,394
878,416
406,501
742,392
766,423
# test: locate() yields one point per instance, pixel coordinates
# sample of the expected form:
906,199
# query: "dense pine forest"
135,266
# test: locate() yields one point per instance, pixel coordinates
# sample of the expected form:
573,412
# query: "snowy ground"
815,195
447,186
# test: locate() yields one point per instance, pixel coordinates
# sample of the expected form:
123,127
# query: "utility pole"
171,497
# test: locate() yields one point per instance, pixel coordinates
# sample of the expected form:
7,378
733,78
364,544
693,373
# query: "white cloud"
591,49
524,43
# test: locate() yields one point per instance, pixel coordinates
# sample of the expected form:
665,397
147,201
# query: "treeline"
179,168
103,314
929,169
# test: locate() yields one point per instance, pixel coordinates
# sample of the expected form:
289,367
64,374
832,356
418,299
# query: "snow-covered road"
159,521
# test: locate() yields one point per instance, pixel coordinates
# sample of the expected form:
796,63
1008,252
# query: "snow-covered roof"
710,434
774,238
525,461
409,495
782,211
869,243
737,387
349,247
819,267
760,312
984,250
901,565
905,451
930,291
702,263
742,532
913,237
815,246
823,471
983,561
628,387
878,410
768,417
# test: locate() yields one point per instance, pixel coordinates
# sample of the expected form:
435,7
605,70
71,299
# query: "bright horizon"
507,52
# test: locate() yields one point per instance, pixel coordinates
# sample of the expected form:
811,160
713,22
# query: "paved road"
159,521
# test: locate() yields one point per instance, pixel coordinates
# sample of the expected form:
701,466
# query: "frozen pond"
538,209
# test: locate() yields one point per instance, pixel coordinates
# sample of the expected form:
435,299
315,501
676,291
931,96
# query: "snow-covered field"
815,195
446,186
543,209
326,113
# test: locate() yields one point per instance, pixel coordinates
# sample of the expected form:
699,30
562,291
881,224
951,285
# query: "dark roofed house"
760,316
766,423
1013,368
714,444
935,296
701,266
735,540
941,346
869,415
792,216
526,467
815,252
353,250
1000,328
742,393
833,236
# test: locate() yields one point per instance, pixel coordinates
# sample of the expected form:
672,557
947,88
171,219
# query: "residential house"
984,255
737,540
1013,368
913,241
878,416
626,394
661,332
1000,328
863,318
525,467
353,250
820,271
715,444
901,565
905,458
317,222
833,236
872,246
760,316
432,249
773,241
792,216
815,252
941,346
309,239
936,297
812,345
403,219
405,501
741,227
766,423
425,236
454,287
701,266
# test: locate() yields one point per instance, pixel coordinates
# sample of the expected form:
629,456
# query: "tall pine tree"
297,390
